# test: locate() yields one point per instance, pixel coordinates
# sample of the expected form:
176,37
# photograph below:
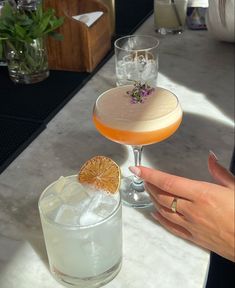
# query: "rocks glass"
82,232
136,59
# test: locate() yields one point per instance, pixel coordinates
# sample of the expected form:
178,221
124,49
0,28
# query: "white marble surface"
199,70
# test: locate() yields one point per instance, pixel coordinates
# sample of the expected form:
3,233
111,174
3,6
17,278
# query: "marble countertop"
199,70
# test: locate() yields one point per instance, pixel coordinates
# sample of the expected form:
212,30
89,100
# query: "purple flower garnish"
140,92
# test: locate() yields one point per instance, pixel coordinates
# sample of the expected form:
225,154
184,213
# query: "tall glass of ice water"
83,233
136,59
170,16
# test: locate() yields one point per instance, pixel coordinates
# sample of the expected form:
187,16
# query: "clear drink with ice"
142,69
83,233
136,59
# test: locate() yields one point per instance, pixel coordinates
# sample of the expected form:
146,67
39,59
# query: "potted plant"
23,34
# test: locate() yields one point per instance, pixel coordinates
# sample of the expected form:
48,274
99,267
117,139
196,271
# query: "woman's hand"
204,212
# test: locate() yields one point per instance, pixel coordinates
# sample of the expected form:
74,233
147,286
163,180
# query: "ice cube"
83,205
126,70
59,185
72,192
101,205
127,59
67,215
106,206
150,69
141,63
89,218
50,204
88,215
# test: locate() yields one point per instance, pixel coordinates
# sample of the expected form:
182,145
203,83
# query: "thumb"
219,173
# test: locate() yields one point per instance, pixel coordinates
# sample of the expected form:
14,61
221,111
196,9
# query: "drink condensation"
139,69
136,59
83,233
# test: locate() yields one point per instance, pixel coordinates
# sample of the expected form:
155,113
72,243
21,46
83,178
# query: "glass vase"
28,5
27,62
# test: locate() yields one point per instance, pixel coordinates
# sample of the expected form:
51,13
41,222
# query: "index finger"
175,185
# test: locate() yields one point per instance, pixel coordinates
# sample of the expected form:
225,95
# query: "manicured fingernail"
154,216
135,170
212,154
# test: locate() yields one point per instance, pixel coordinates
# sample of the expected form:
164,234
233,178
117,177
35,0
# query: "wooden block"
111,6
83,47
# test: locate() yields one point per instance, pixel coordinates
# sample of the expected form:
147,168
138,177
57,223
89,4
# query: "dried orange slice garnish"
100,172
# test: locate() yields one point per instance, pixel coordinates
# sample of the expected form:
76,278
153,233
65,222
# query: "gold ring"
174,205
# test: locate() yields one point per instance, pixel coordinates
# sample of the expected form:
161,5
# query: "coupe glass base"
134,195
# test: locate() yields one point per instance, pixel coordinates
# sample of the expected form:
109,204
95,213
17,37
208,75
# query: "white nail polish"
135,170
212,154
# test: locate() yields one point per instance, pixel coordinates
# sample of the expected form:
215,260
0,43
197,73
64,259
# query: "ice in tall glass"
83,233
170,16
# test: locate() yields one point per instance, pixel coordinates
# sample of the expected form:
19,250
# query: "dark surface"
221,272
26,109
39,101
130,14
16,135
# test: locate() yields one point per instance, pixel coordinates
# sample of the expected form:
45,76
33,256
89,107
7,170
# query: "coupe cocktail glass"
117,118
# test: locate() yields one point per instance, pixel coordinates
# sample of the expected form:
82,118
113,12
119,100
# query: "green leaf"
27,25
20,31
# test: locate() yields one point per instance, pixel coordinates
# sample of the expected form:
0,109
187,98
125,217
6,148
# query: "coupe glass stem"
137,183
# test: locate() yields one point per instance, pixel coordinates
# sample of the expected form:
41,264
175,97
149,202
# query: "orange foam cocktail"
122,121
